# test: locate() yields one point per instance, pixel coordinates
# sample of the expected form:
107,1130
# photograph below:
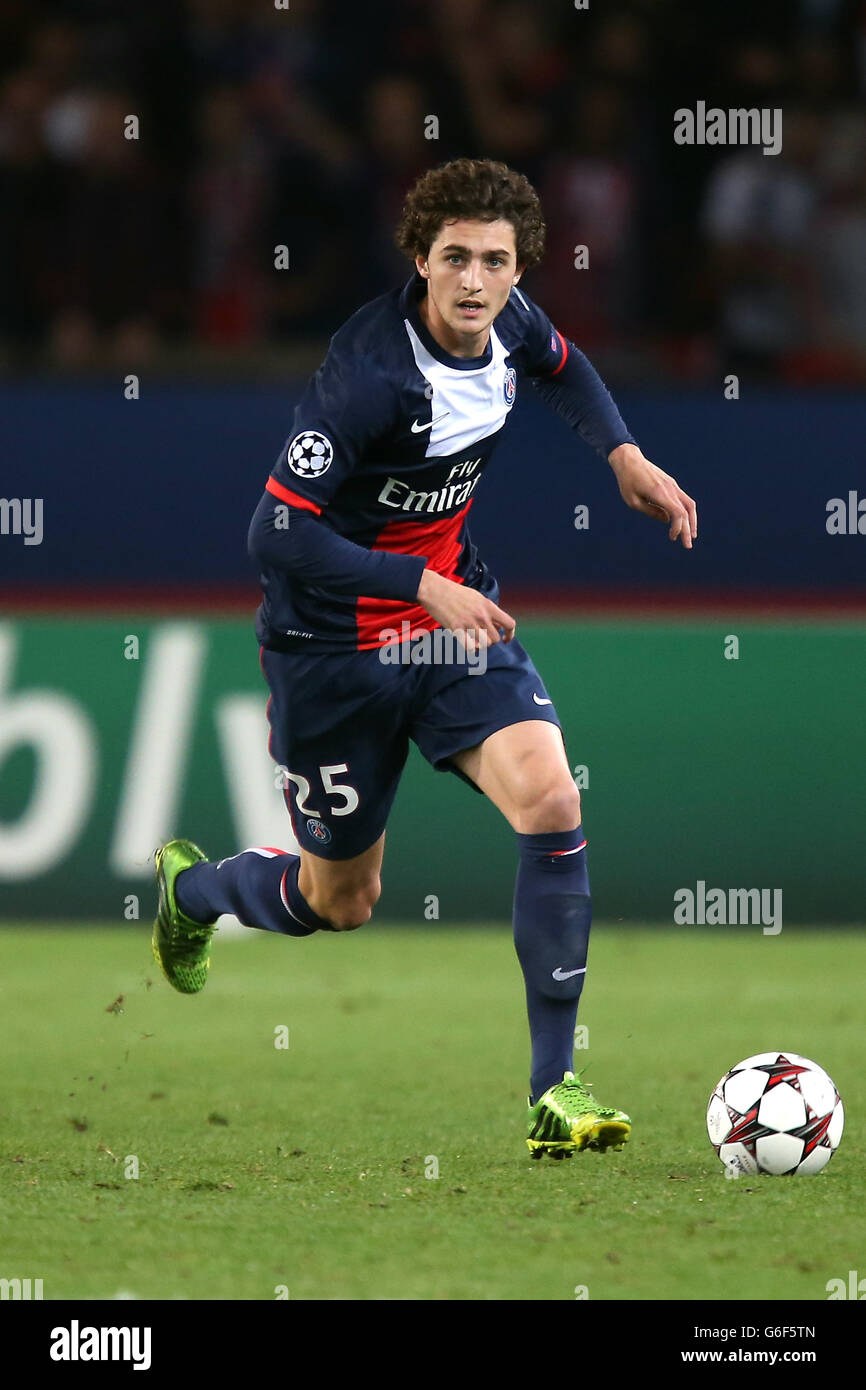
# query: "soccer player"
364,554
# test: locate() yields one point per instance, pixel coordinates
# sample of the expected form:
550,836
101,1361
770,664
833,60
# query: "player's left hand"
650,490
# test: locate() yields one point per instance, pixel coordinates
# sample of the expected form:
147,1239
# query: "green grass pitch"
263,1169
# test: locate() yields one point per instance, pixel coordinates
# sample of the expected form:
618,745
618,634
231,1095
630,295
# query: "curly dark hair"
481,189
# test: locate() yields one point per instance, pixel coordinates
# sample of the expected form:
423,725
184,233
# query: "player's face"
470,269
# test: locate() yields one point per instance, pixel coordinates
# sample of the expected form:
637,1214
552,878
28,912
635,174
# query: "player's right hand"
464,611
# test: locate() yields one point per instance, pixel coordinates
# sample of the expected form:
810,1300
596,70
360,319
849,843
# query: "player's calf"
346,907
343,892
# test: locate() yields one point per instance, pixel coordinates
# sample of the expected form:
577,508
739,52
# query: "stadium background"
151,261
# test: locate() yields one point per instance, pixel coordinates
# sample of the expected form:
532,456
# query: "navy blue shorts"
341,724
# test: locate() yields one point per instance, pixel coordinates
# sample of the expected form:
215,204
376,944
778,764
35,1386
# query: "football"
775,1113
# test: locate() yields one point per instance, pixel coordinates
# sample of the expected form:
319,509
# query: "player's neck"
455,344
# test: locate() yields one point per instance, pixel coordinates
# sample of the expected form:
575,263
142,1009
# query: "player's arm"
290,537
566,379
345,407
287,534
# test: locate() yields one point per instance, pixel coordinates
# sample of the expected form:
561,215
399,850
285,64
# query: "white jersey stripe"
466,406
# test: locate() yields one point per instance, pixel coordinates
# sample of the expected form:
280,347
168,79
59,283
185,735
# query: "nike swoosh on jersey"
539,701
419,428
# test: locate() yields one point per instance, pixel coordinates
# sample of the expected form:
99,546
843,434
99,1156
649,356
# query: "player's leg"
278,891
518,759
338,741
263,887
524,772
343,892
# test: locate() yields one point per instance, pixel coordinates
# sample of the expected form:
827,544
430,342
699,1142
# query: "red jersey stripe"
564,346
442,542
293,498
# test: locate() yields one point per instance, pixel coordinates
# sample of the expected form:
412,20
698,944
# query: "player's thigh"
339,738
497,727
524,771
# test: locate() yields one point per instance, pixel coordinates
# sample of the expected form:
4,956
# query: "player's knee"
351,907
550,809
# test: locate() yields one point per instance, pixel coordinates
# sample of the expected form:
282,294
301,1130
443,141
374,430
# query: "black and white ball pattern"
310,454
775,1113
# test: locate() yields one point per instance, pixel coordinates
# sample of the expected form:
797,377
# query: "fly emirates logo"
457,489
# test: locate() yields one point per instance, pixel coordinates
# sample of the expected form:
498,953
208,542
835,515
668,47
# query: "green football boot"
568,1119
181,947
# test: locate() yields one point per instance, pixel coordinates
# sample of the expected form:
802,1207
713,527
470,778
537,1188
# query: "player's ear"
422,267
518,273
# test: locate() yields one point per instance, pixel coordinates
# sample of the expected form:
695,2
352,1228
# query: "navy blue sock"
259,886
552,916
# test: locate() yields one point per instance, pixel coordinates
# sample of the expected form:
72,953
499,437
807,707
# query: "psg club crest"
510,386
310,454
319,831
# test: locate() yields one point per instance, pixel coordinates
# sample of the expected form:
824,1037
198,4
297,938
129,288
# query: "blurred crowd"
260,126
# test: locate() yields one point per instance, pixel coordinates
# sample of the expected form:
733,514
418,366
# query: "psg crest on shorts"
319,831
510,386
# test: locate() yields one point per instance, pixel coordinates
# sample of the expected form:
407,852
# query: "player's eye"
494,262
455,258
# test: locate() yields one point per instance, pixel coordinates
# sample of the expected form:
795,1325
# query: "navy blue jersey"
389,444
